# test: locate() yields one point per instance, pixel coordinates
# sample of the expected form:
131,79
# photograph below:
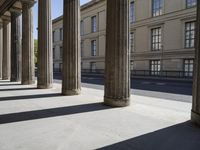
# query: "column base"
5,78
28,82
117,102
44,86
195,118
71,92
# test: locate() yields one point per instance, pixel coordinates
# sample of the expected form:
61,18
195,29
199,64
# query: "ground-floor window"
188,67
93,66
155,67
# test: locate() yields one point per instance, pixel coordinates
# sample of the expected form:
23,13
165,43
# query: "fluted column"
6,50
117,61
195,115
71,48
15,46
1,48
28,66
45,60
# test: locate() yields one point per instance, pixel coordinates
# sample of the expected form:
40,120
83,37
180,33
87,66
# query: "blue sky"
57,10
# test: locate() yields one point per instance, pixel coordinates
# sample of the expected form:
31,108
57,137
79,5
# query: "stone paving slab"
35,119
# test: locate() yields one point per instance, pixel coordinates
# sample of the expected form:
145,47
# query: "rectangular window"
188,67
190,34
93,66
93,48
155,67
191,3
94,24
61,34
82,48
82,27
157,7
54,55
60,67
54,38
61,52
132,65
132,12
132,38
156,39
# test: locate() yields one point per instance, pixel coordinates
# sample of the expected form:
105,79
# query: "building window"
132,65
93,48
157,7
82,27
94,24
132,12
188,67
190,34
60,67
54,55
82,48
61,34
132,38
54,36
61,52
155,67
93,66
191,3
156,39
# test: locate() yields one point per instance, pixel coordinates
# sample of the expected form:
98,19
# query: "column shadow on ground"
52,112
18,89
184,136
23,97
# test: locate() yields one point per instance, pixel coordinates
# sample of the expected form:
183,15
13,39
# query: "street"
166,89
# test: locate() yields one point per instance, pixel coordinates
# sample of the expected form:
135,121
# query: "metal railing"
145,73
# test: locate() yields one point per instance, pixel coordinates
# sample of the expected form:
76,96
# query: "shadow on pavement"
52,112
184,136
18,89
48,95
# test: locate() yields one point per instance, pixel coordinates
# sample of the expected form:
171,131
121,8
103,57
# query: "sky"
57,10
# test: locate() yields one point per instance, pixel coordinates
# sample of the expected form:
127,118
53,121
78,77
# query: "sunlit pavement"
35,119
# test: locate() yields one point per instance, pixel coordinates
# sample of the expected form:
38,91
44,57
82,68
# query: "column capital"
15,10
30,3
5,18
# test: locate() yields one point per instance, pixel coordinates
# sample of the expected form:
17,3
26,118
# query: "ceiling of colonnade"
5,5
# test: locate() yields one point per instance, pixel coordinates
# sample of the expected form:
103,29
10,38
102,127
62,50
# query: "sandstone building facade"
162,37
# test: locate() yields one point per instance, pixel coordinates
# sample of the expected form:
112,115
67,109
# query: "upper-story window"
157,7
156,39
132,47
82,48
94,24
191,3
190,34
54,36
61,34
132,12
93,48
54,53
82,27
61,52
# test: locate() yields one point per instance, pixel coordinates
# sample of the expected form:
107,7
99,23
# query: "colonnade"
20,56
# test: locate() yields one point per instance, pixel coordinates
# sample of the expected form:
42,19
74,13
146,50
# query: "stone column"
28,66
1,48
117,60
15,46
195,115
71,48
6,50
45,60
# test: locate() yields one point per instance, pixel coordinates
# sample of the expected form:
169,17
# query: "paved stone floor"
34,119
